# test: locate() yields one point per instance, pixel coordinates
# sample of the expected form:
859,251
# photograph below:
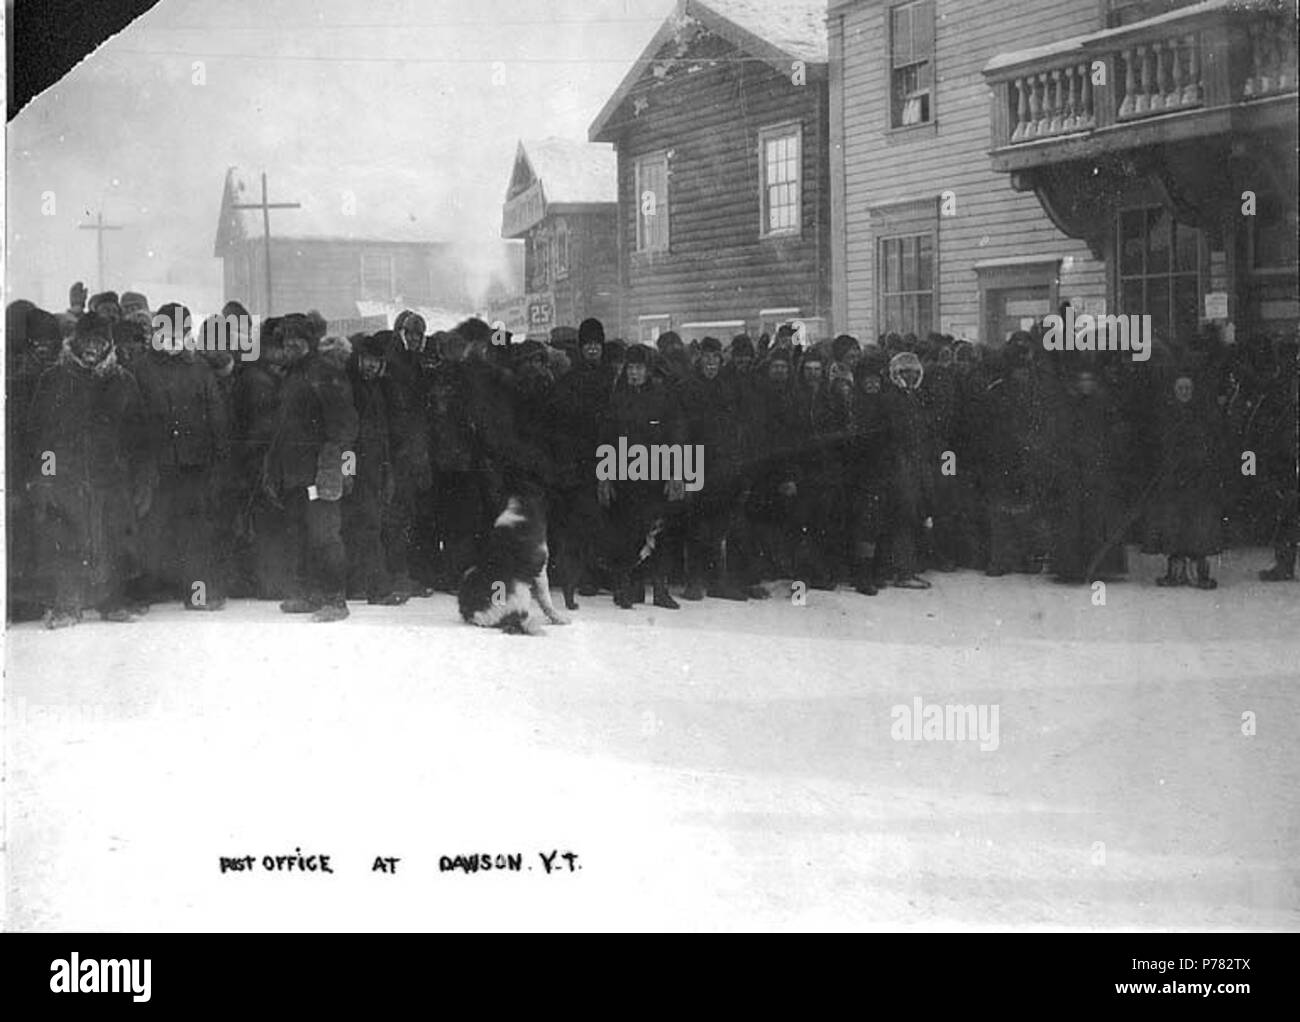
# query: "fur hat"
741,345
842,345
905,360
334,350
133,300
637,354
591,331
101,298
710,345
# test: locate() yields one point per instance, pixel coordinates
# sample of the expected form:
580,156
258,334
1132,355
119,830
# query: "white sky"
127,131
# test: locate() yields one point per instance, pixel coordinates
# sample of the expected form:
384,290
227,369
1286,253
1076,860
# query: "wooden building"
562,201
991,161
723,203
358,239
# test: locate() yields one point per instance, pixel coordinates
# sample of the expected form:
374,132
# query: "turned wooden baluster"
1192,90
1253,82
1175,95
1129,106
1022,110
1143,104
1044,114
1071,121
1054,111
1022,113
1085,75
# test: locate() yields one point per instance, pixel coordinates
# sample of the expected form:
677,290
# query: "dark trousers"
181,543
363,515
315,531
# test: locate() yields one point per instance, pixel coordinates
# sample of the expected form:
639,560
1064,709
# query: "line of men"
372,467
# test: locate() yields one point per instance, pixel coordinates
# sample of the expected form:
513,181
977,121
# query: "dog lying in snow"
499,591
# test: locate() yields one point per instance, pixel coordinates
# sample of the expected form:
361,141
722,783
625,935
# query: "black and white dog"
498,592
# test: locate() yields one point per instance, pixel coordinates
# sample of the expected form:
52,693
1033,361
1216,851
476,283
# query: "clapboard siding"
880,167
718,267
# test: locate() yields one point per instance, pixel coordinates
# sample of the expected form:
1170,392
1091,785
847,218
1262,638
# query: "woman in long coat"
1187,511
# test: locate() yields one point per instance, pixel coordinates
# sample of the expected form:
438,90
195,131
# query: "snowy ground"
724,766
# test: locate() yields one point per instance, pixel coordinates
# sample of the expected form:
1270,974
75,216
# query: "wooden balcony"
1205,70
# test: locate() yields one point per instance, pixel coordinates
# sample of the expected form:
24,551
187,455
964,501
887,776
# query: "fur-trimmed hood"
108,367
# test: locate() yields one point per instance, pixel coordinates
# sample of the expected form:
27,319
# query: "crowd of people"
145,469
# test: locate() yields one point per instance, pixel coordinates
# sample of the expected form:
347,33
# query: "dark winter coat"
185,409
92,424
318,422
1089,450
1187,509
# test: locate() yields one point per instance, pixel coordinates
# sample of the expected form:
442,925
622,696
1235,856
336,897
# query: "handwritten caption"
555,861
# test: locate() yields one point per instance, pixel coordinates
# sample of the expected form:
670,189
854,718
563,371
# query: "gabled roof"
344,203
778,32
571,172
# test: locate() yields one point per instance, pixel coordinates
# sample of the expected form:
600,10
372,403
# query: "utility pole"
99,227
266,208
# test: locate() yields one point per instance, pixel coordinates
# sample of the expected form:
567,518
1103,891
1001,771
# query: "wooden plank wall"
718,267
881,166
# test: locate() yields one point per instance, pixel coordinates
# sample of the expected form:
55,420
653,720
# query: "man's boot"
335,609
1175,573
1203,580
1283,569
662,598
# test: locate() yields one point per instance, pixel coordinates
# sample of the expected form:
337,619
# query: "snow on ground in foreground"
722,766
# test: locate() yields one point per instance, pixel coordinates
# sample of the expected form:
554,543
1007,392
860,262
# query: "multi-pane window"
780,168
907,284
652,203
377,276
1159,271
911,61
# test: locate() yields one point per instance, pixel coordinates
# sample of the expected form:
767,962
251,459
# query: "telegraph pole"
99,227
266,208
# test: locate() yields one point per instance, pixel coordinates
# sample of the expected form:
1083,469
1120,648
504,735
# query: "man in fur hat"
305,470
642,412
189,441
89,477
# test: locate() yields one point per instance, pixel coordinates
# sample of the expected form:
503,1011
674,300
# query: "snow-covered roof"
349,203
572,171
776,31
797,27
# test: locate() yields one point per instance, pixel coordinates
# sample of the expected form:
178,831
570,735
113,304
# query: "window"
648,328
652,203
780,163
1159,271
1127,12
377,276
907,284
539,264
911,63
561,249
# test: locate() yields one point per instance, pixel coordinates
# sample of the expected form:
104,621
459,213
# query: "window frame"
562,249
1169,276
391,290
792,129
661,205
891,70
643,321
